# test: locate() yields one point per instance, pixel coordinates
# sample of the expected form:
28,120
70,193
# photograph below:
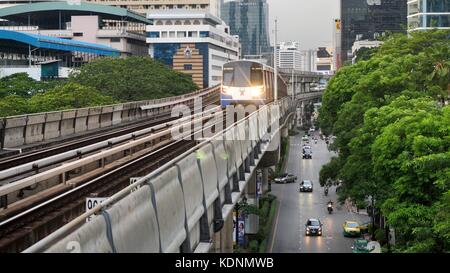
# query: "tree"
373,108
13,105
22,85
133,78
70,96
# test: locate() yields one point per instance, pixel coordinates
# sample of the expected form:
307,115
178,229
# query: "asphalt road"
295,207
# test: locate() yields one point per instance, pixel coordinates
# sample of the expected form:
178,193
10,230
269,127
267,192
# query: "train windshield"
242,74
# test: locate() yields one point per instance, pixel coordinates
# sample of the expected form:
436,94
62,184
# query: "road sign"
92,202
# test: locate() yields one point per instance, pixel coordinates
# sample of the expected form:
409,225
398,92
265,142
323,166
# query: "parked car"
351,228
313,227
306,185
286,178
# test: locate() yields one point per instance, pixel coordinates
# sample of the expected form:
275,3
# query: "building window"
171,34
181,34
188,67
153,34
78,34
115,40
204,34
164,34
192,34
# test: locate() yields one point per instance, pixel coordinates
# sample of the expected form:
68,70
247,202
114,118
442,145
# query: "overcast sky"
308,21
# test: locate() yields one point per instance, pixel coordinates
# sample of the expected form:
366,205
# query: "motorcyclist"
326,190
330,206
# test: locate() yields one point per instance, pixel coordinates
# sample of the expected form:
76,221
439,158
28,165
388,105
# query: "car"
306,185
286,178
364,228
305,138
351,228
360,246
312,130
307,152
313,227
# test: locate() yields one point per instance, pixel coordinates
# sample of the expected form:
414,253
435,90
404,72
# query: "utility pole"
275,57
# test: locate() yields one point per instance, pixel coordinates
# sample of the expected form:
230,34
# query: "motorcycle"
326,191
330,208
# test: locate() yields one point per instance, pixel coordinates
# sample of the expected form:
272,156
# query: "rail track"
37,216
88,139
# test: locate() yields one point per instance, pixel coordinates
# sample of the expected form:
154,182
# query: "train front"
243,83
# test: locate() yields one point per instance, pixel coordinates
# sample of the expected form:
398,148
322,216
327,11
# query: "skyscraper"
250,20
427,14
367,19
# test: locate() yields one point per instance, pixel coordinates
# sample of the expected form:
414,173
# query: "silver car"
286,178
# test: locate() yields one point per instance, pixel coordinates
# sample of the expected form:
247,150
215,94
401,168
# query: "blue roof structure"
41,41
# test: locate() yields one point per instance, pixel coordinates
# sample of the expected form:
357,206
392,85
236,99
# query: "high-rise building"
308,60
288,55
368,19
250,20
428,14
192,42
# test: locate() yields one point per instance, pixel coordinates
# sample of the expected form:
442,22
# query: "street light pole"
275,57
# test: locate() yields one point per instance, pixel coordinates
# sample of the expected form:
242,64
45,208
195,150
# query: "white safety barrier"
134,225
191,181
169,203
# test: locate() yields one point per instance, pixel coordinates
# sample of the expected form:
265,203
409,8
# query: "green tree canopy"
70,96
22,85
392,134
133,78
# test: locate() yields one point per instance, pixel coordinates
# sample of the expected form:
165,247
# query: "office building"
288,55
249,19
368,19
308,60
195,43
428,14
146,6
141,6
325,61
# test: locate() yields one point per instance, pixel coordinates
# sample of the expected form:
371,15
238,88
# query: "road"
295,207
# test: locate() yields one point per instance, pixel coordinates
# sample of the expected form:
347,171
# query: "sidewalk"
352,208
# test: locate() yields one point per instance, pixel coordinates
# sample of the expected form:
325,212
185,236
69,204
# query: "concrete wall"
34,128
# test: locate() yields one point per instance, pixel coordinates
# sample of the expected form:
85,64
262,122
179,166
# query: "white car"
312,129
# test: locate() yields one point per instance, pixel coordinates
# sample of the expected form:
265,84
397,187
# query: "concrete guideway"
183,224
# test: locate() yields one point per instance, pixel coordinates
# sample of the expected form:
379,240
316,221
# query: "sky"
309,22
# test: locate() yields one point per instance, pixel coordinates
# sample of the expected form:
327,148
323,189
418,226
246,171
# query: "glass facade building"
427,14
250,20
368,19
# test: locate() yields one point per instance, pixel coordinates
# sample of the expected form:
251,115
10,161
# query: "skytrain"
249,82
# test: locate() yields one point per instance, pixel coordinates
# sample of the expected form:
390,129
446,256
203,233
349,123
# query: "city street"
296,207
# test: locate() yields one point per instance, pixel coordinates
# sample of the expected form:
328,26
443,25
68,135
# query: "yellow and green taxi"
351,228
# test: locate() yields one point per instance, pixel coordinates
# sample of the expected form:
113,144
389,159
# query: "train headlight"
256,91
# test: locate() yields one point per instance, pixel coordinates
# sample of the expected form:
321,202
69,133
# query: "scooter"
326,191
330,208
